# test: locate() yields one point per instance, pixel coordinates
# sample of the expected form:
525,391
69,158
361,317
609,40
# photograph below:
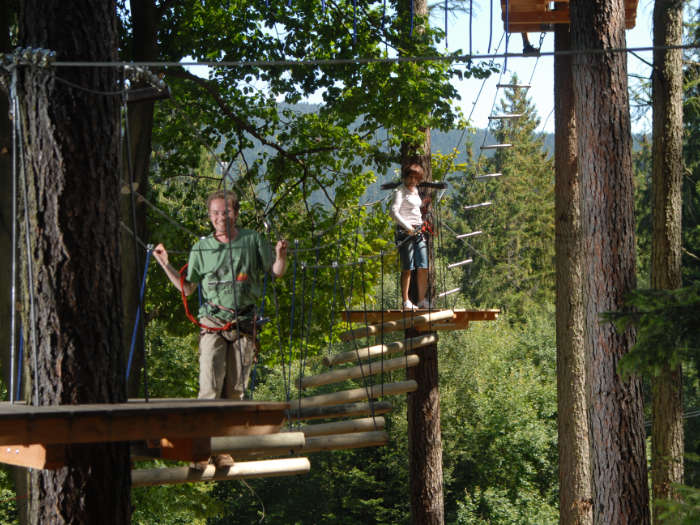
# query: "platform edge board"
22,424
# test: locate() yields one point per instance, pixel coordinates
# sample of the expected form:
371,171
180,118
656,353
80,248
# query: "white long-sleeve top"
405,209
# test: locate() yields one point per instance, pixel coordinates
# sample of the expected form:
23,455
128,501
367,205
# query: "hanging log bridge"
182,429
541,15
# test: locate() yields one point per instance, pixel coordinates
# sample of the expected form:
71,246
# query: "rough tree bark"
71,142
667,177
574,467
619,477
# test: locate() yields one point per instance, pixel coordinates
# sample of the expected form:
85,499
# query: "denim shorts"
412,251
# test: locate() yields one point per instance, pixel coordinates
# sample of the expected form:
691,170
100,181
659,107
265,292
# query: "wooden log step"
355,372
370,352
374,438
366,424
336,411
356,394
242,470
409,320
247,445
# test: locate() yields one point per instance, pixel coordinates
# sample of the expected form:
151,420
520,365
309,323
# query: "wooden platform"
459,321
35,436
536,15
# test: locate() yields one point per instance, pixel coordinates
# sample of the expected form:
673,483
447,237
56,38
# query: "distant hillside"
443,142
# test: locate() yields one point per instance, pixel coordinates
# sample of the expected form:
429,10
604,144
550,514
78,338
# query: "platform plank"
137,420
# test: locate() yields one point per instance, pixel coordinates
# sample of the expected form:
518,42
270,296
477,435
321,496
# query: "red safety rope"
427,227
187,308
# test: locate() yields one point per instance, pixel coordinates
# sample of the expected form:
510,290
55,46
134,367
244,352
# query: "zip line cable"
369,60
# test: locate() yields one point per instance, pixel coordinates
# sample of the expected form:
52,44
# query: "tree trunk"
574,467
70,138
424,438
619,477
667,177
144,17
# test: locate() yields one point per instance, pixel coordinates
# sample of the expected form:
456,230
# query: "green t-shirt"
210,265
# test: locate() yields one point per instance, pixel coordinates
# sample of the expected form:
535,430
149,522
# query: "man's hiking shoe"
223,461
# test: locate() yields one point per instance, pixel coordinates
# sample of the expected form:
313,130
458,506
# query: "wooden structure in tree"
37,436
542,15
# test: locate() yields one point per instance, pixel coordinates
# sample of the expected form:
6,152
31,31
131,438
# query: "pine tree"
513,265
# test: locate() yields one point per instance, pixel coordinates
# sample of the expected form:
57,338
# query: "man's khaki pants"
225,361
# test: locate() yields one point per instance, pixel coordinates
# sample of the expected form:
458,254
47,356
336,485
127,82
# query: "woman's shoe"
408,305
424,304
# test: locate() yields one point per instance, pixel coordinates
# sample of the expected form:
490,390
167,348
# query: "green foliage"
513,266
8,498
498,400
668,328
691,152
188,504
8,495
683,512
641,159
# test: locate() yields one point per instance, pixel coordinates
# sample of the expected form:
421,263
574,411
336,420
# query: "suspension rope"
13,285
132,200
149,252
30,266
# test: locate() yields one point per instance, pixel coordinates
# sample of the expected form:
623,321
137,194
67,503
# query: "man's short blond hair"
230,197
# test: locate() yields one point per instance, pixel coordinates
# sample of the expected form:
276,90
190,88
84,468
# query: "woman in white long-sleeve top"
413,247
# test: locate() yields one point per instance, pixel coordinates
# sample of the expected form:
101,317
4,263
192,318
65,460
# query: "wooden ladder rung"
514,86
488,176
497,146
505,116
467,235
479,205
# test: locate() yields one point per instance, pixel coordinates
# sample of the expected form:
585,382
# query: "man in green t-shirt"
230,265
